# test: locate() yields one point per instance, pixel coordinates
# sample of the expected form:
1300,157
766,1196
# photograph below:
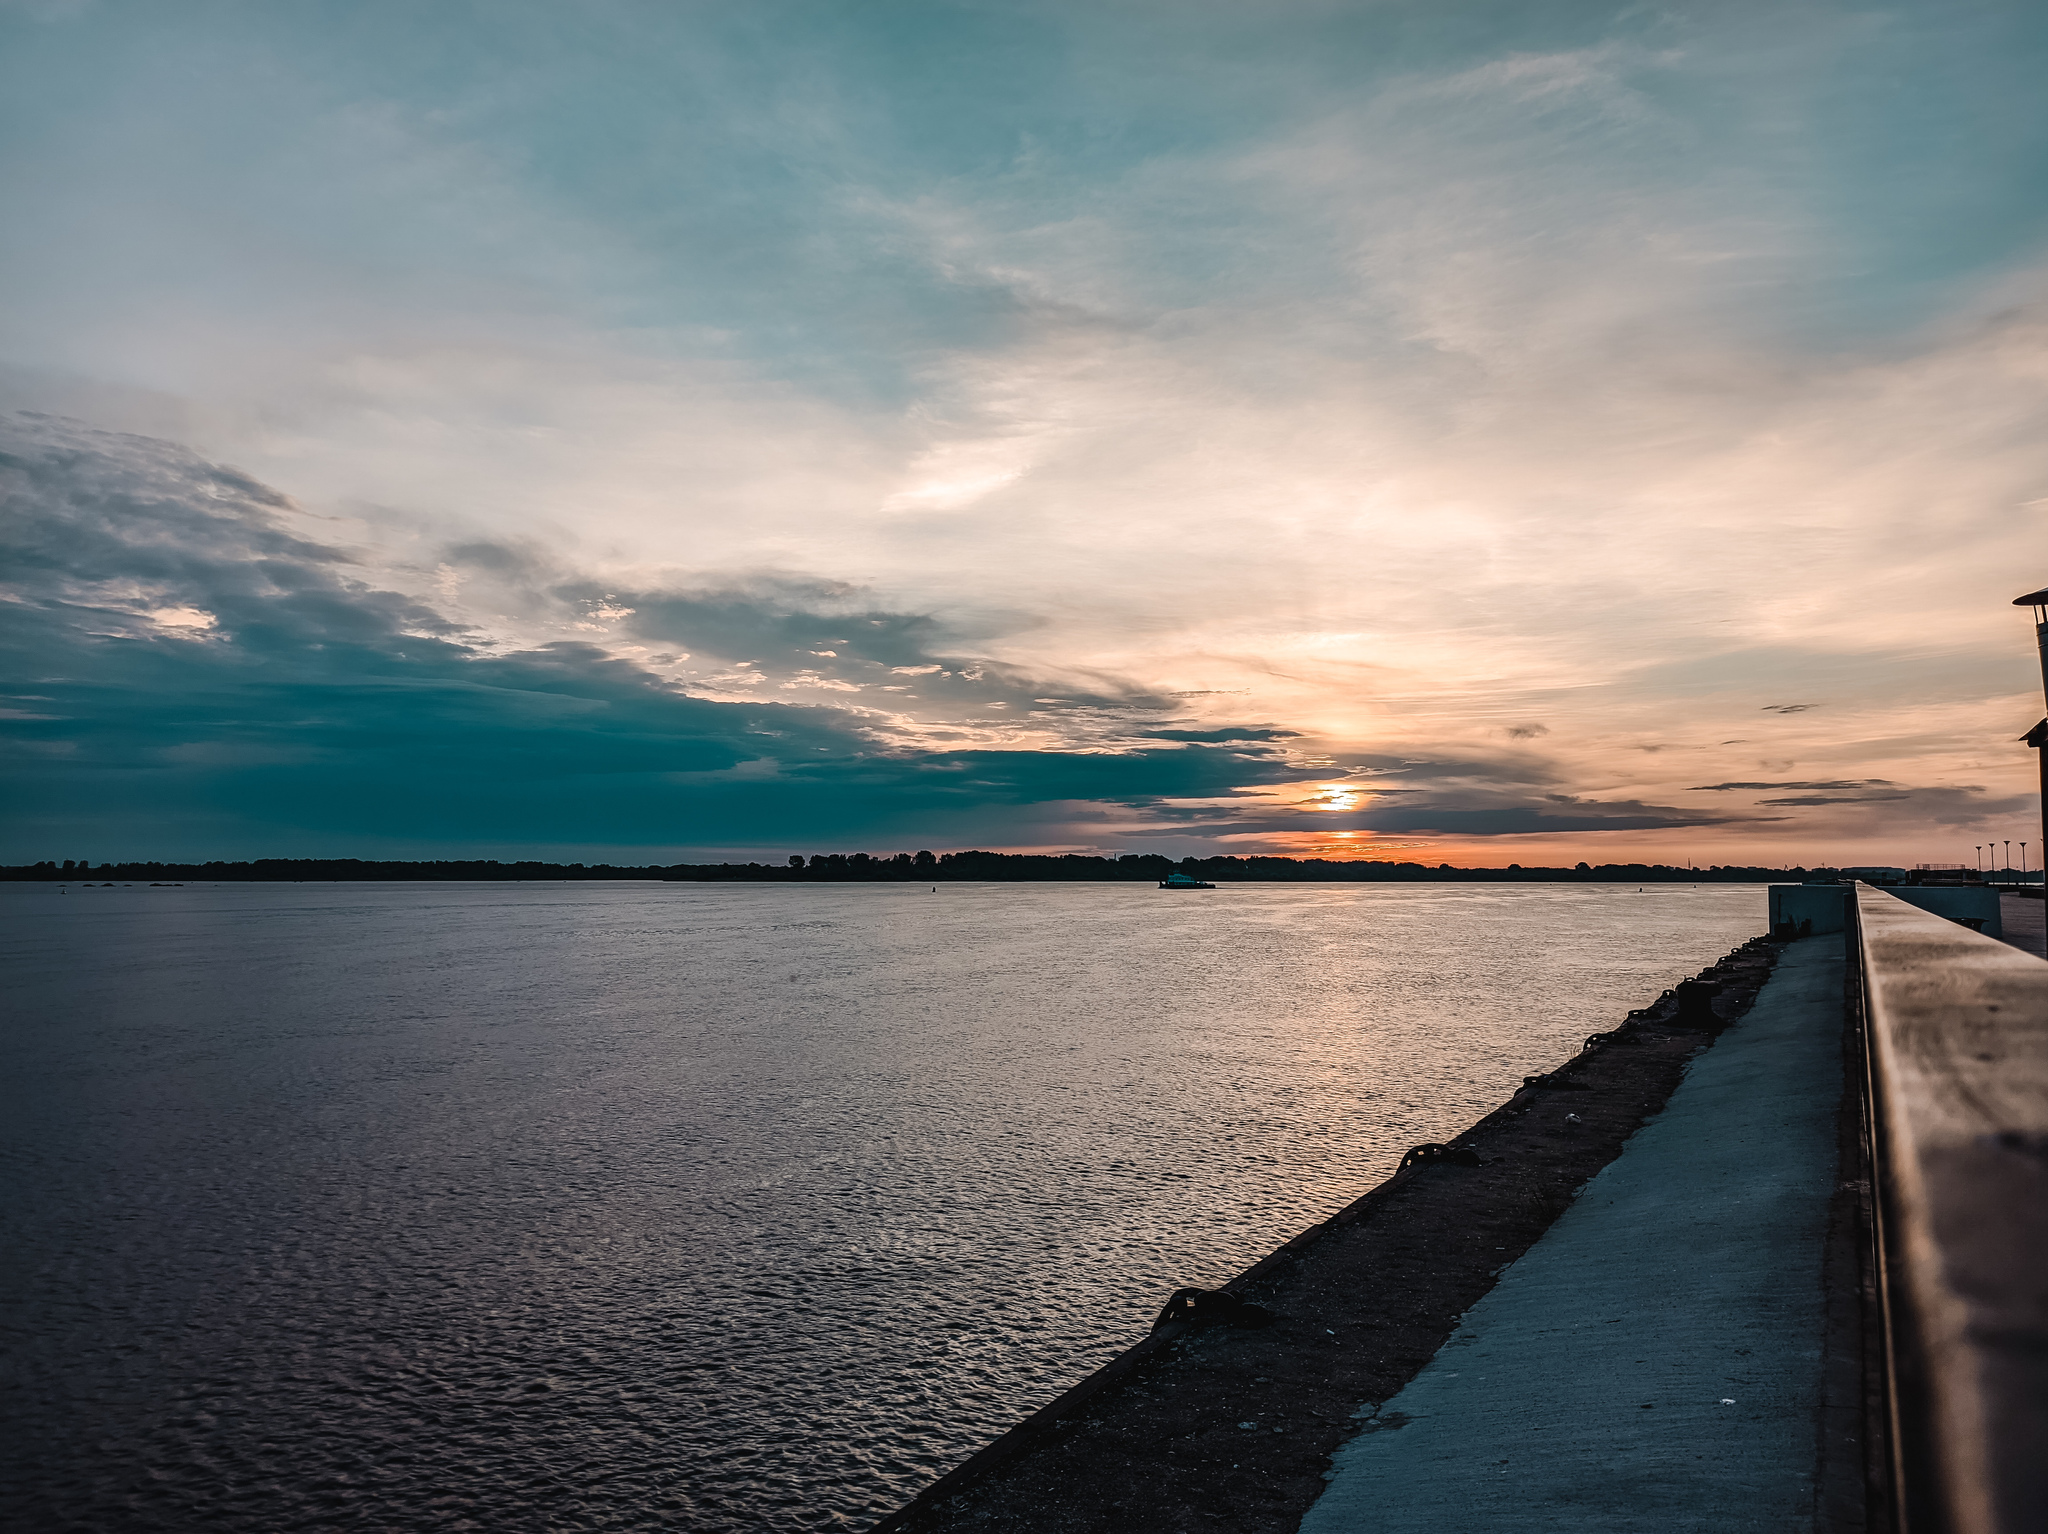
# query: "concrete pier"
1655,1360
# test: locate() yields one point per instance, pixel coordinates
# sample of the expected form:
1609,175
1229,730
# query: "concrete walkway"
1653,1363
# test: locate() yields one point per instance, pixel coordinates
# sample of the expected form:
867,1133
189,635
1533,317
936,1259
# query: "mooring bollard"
1696,1003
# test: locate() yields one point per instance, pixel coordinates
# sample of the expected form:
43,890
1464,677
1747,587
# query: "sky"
638,430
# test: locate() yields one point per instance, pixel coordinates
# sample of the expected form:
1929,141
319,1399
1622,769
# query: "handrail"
1957,1031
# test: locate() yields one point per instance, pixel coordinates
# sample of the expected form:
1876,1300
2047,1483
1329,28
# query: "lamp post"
2037,737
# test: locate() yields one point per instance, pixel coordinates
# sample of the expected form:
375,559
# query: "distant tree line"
1154,866
290,869
927,867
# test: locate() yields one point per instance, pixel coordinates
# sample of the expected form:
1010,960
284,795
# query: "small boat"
1181,881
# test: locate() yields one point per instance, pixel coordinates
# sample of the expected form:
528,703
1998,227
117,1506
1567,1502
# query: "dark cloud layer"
1814,786
1952,805
1475,809
1455,818
1817,799
194,669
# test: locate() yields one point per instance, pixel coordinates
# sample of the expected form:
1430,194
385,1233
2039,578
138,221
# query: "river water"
713,1207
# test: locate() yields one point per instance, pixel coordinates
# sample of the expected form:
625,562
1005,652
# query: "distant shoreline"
905,868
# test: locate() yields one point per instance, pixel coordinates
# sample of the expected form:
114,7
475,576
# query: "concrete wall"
1808,909
1958,903
1825,906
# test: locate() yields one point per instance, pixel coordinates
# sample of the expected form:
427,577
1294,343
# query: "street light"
2037,737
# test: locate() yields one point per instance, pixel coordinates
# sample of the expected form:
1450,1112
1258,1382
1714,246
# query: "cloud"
1453,815
911,675
1947,806
1466,813
1543,820
1811,799
1836,783
1227,734
1374,769
312,703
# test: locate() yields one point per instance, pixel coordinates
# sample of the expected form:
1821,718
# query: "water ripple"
705,1207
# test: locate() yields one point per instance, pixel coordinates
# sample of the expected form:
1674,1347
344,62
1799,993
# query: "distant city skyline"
636,432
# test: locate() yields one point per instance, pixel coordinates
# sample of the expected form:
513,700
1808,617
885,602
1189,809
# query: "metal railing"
1956,1054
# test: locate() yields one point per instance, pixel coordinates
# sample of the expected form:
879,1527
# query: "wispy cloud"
1838,783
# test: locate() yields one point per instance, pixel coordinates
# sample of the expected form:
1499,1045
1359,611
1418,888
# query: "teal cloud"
198,678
